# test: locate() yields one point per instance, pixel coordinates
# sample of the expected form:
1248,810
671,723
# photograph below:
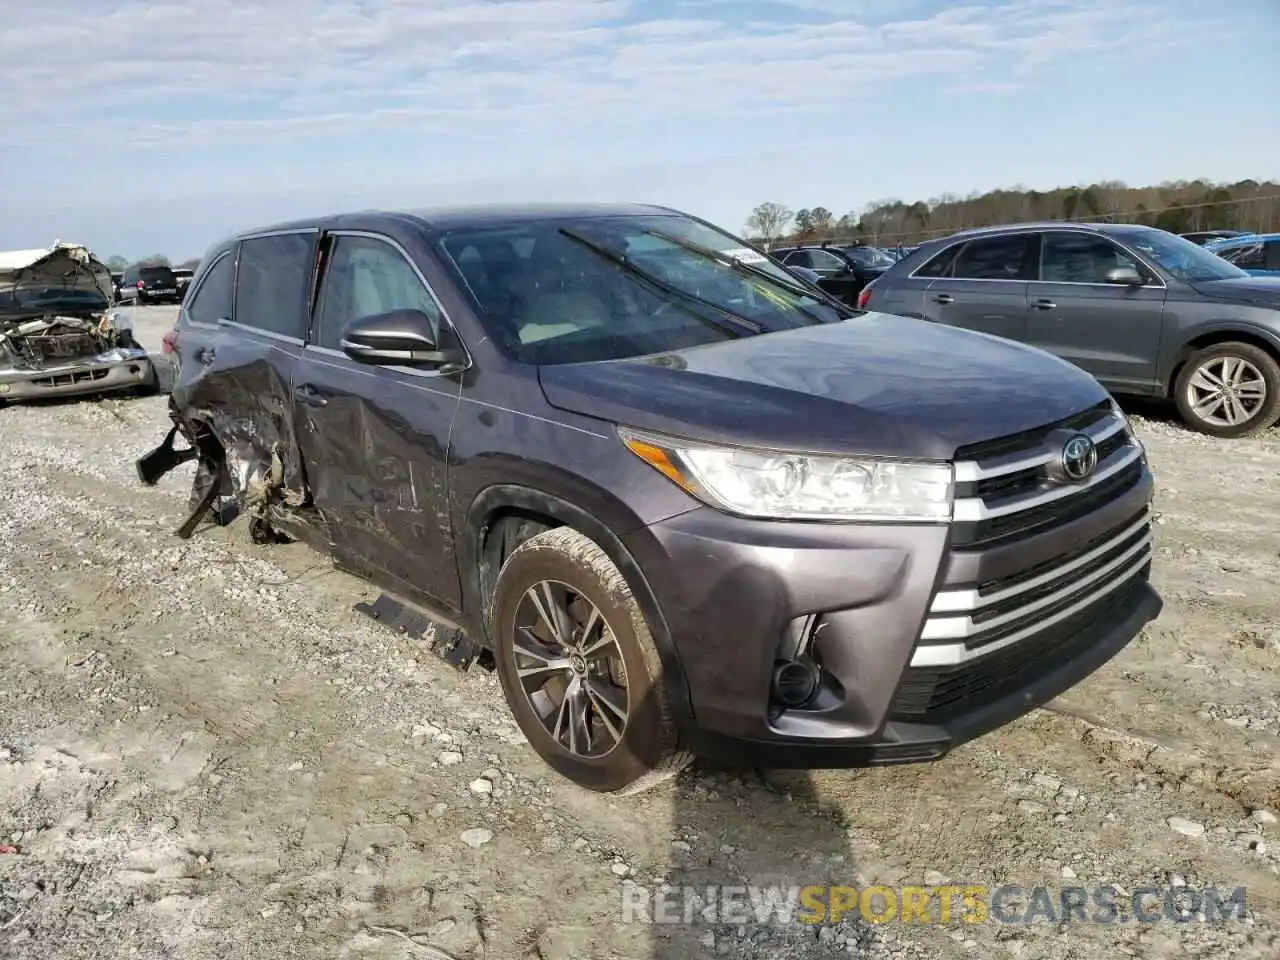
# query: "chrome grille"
1012,490
971,622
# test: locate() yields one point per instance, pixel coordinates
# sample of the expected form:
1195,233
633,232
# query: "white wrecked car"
58,336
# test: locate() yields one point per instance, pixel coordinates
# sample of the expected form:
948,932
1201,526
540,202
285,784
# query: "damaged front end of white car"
58,334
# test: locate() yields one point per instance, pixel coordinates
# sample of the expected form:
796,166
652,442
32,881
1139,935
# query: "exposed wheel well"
505,517
504,530
1215,337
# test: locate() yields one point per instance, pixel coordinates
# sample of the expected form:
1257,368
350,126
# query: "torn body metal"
57,336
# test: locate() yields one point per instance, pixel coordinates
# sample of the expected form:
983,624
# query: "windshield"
606,288
1182,258
155,273
870,256
49,289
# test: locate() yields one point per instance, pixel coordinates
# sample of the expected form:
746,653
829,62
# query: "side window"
995,258
826,261
212,301
1081,258
799,258
1246,256
275,275
940,266
367,276
1273,254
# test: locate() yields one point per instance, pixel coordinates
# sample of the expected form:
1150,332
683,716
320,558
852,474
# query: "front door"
374,438
1110,330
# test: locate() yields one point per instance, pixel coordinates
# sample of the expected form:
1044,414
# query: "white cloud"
263,69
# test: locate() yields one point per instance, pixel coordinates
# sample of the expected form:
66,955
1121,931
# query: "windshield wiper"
736,322
737,263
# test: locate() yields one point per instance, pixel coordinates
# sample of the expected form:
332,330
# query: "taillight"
863,296
169,342
141,285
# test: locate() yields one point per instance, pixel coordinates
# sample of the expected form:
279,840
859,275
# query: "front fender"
564,510
1224,329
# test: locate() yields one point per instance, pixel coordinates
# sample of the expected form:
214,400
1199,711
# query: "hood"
29,278
1262,291
876,385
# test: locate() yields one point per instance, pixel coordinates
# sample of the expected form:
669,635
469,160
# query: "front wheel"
578,664
1229,390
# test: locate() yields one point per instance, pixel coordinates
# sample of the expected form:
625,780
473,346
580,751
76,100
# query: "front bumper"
119,369
733,591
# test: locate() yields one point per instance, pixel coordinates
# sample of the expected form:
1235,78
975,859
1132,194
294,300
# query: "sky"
140,127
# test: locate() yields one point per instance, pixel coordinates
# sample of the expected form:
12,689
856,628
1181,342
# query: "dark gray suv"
682,500
1143,310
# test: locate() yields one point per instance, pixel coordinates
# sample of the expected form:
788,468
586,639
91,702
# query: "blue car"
1257,253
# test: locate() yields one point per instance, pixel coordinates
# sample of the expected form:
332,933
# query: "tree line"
119,264
1177,206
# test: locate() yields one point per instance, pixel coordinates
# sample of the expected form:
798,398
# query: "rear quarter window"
940,264
212,301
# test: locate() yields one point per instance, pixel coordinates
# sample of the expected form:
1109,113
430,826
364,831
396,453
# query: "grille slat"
989,638
932,694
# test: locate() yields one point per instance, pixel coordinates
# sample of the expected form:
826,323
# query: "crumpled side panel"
249,410
377,473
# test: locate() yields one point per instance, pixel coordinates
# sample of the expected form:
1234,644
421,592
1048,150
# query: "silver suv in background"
1146,312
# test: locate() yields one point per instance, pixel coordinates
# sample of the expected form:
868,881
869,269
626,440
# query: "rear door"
375,438
247,364
1112,331
984,286
902,289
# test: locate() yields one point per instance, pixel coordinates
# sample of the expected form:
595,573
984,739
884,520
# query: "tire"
1252,367
579,576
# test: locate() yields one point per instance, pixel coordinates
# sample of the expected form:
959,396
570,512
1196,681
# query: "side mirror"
1125,276
398,337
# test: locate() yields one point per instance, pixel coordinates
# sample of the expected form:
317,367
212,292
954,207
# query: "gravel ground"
205,753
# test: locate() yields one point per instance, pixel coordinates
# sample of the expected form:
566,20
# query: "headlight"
794,486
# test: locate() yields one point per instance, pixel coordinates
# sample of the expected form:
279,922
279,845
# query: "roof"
477,215
1243,240
1100,228
471,215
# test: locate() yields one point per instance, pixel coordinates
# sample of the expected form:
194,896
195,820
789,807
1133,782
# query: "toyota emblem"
1079,457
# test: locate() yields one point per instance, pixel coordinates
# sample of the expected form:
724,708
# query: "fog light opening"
795,682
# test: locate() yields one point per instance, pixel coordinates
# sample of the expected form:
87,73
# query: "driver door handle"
943,298
309,395
1044,304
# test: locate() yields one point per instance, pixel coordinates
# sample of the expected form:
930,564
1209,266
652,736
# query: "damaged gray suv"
679,499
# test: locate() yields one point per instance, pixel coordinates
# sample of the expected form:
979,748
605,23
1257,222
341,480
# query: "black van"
151,284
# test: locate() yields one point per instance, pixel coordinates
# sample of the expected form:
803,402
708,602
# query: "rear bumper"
119,369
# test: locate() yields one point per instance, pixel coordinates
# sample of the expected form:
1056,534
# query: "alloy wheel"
1226,391
570,669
